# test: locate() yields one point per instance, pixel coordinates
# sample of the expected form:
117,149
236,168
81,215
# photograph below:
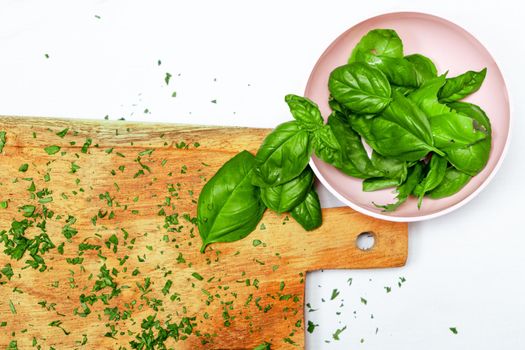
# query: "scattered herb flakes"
86,145
338,332
388,289
23,168
2,140
97,17
62,133
263,346
256,242
7,271
197,276
167,78
311,327
214,101
12,307
46,55
52,149
4,204
454,330
174,94
335,293
58,324
364,301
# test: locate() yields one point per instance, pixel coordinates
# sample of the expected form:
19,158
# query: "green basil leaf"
403,90
337,107
308,214
404,191
379,183
436,173
449,129
424,66
287,196
355,160
283,155
426,97
461,86
305,112
473,158
398,71
454,130
453,181
402,131
383,42
390,167
360,88
327,147
229,206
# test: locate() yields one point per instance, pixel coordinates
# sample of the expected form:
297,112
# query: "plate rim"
464,201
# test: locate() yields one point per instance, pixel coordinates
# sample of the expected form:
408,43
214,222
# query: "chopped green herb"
86,145
197,276
167,78
453,330
2,140
62,133
335,293
311,327
52,149
12,307
338,333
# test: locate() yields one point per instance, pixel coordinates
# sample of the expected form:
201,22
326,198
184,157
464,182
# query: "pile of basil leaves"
424,141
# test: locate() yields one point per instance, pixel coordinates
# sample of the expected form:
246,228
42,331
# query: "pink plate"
451,48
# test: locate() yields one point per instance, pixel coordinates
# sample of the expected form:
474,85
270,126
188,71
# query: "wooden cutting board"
125,193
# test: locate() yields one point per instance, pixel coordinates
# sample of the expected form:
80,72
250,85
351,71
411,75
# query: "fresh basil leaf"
407,115
287,196
327,147
450,129
337,144
426,97
403,90
424,66
398,71
360,88
436,173
305,112
454,130
308,213
229,206
355,160
379,183
283,155
383,42
404,190
390,167
473,158
453,181
461,86
402,131
337,107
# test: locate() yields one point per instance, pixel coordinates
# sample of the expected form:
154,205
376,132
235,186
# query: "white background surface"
465,270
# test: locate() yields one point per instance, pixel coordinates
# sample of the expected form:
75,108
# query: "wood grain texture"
249,292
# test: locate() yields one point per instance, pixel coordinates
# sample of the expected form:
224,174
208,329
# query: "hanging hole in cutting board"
365,241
